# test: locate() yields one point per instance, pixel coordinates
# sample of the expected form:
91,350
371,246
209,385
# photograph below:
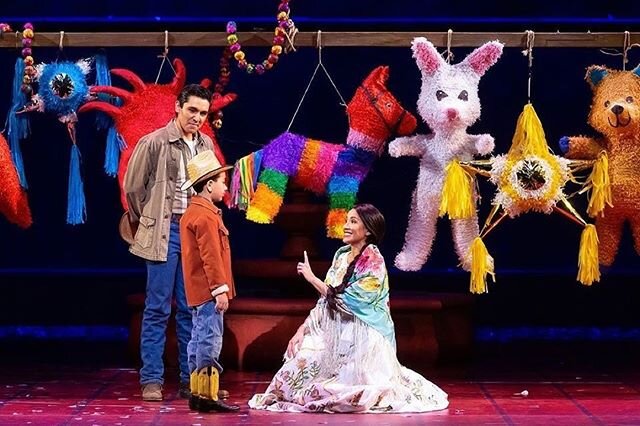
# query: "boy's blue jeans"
206,337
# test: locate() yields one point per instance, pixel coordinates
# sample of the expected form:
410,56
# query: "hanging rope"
315,71
449,56
625,49
529,52
626,46
165,57
61,54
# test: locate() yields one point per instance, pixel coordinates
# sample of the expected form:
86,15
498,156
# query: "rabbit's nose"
452,114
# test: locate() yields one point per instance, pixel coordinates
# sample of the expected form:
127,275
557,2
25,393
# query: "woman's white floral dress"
347,361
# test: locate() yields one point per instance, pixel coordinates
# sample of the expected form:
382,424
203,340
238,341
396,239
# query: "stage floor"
111,396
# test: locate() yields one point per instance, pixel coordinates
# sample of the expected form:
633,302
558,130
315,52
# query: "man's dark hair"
193,90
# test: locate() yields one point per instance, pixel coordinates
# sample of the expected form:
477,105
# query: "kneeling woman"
343,357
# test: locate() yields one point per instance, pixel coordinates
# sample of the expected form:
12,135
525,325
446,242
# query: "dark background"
55,274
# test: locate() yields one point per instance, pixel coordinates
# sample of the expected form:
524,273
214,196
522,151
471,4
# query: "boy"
206,262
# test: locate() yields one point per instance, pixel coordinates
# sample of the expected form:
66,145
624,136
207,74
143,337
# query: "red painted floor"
108,396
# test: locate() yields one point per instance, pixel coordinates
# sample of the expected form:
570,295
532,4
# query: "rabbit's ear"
426,55
481,59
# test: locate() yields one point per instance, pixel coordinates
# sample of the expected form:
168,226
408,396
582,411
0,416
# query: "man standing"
152,183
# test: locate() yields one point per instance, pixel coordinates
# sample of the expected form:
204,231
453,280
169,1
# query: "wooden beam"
329,39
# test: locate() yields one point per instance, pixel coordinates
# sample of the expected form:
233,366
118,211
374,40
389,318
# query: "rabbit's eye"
440,95
463,96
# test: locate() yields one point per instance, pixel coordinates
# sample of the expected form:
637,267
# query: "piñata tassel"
257,165
18,126
481,266
588,261
112,152
242,182
103,78
528,138
103,121
457,192
247,180
600,186
234,187
76,206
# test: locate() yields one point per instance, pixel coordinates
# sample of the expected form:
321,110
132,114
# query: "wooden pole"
329,39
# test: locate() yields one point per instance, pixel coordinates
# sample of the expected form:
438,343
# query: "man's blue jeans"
206,337
164,280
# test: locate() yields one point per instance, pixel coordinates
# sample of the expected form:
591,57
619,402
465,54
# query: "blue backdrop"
536,250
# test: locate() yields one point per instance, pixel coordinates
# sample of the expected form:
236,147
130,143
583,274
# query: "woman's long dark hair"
373,222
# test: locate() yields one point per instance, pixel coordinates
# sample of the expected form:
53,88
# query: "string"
449,57
626,46
320,65
529,52
165,57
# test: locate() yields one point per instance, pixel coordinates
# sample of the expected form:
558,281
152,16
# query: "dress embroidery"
348,363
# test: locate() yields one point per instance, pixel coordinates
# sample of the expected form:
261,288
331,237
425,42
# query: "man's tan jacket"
150,185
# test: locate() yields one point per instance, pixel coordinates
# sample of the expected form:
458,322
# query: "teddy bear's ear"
595,74
426,55
636,70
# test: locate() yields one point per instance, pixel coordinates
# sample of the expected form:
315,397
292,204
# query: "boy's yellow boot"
193,387
208,385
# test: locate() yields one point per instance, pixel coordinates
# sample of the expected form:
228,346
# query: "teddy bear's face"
615,109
